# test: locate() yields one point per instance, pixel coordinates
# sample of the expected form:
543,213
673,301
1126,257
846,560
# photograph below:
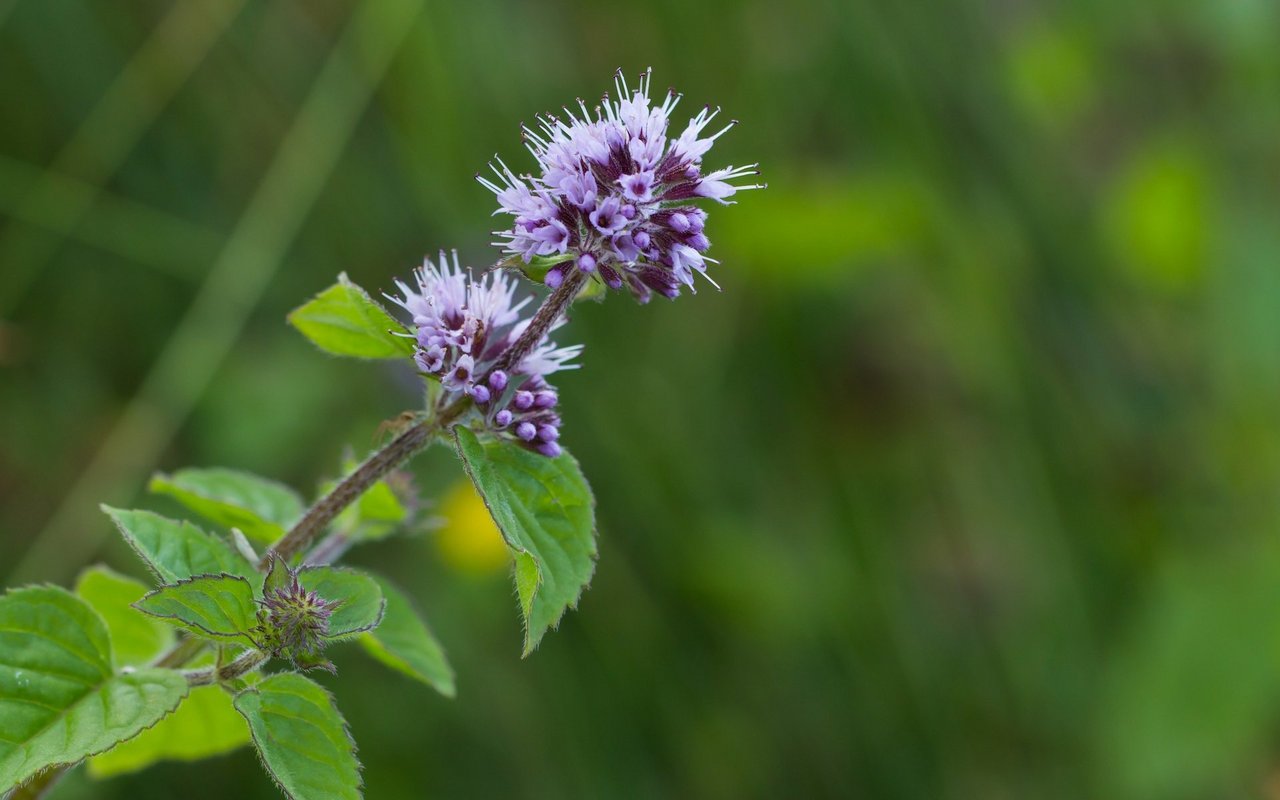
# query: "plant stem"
244,663
330,549
548,313
351,487
181,653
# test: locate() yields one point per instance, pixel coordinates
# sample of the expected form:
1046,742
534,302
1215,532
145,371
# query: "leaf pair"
204,725
225,607
62,701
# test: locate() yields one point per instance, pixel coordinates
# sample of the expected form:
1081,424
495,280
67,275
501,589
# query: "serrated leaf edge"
368,639
402,331
529,646
114,674
129,537
193,579
382,606
257,747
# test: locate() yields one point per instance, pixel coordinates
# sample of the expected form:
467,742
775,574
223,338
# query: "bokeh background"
965,486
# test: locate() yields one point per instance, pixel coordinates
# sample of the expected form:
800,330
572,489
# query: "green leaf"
302,739
537,267
260,508
60,700
219,606
405,643
361,600
593,289
345,321
135,638
546,513
205,725
177,550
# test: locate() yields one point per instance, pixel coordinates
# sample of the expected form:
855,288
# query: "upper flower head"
464,327
613,197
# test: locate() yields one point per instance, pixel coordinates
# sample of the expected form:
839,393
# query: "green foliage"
360,599
136,639
345,321
177,550
1157,216
217,606
262,509
1189,701
537,267
301,738
60,698
404,642
205,725
546,513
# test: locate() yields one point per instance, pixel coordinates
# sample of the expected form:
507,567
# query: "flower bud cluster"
464,327
292,620
614,193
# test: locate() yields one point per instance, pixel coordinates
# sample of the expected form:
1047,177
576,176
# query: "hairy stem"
244,663
367,474
548,313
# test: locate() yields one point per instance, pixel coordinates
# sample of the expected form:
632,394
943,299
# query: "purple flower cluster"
614,195
464,328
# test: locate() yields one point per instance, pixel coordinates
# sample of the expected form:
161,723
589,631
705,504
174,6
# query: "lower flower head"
464,327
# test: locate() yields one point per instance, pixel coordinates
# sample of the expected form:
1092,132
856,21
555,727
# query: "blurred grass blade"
251,257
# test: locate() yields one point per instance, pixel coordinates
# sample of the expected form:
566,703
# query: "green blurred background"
964,487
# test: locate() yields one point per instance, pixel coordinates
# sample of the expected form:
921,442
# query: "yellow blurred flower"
468,540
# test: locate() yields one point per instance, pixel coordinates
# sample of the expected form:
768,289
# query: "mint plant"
248,601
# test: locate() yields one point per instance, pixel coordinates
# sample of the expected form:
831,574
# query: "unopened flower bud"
545,399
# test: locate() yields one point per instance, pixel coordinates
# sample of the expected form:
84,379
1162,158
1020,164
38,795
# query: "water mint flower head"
464,327
615,194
